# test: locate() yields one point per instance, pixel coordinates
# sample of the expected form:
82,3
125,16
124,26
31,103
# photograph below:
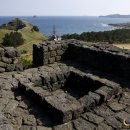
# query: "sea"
68,24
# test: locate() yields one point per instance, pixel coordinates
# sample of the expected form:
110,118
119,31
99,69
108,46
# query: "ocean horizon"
68,24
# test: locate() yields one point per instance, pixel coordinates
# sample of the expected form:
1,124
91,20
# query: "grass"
30,39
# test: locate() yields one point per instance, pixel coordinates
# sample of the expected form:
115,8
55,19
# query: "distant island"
116,16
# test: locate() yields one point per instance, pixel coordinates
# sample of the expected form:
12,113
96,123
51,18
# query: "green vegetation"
35,28
14,25
25,29
13,39
27,61
114,36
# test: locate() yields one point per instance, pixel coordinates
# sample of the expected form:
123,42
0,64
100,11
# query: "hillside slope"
30,36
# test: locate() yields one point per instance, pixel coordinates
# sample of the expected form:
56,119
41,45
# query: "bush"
35,28
13,39
27,61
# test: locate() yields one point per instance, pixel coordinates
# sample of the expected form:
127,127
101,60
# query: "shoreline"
121,25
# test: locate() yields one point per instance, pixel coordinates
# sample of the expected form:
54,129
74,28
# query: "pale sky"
63,7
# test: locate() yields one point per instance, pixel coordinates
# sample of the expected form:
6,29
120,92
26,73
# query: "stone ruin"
10,60
74,86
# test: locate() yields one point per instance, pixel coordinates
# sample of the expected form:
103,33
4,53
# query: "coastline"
120,25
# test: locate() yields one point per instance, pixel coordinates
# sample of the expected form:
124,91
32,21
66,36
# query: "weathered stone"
87,102
18,67
1,51
64,107
58,58
25,104
10,106
128,109
51,60
7,60
66,126
125,99
53,53
43,128
52,47
10,67
93,117
29,120
106,92
37,80
123,115
46,55
2,70
41,92
115,106
3,103
104,126
16,60
53,78
59,52
60,76
103,111
45,48
10,52
6,127
95,96
112,121
45,80
3,65
26,127
45,61
81,124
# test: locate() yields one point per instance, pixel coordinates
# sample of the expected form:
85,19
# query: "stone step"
4,124
64,107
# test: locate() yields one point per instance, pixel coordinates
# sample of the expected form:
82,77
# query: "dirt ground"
123,46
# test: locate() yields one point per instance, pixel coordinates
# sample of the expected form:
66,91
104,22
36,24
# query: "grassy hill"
30,36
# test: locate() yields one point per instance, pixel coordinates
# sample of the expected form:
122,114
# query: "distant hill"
27,30
116,16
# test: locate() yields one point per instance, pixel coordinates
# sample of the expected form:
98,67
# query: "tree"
35,28
13,39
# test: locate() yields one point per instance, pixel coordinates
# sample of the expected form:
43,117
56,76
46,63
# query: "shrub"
13,39
35,28
27,61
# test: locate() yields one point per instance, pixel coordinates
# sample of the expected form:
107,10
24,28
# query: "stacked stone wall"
104,57
48,53
10,60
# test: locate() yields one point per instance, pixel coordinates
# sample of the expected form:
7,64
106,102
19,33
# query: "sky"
63,7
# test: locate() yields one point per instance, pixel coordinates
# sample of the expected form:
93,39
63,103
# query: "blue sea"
69,24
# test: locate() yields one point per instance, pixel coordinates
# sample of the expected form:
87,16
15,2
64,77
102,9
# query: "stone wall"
10,60
103,57
48,53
